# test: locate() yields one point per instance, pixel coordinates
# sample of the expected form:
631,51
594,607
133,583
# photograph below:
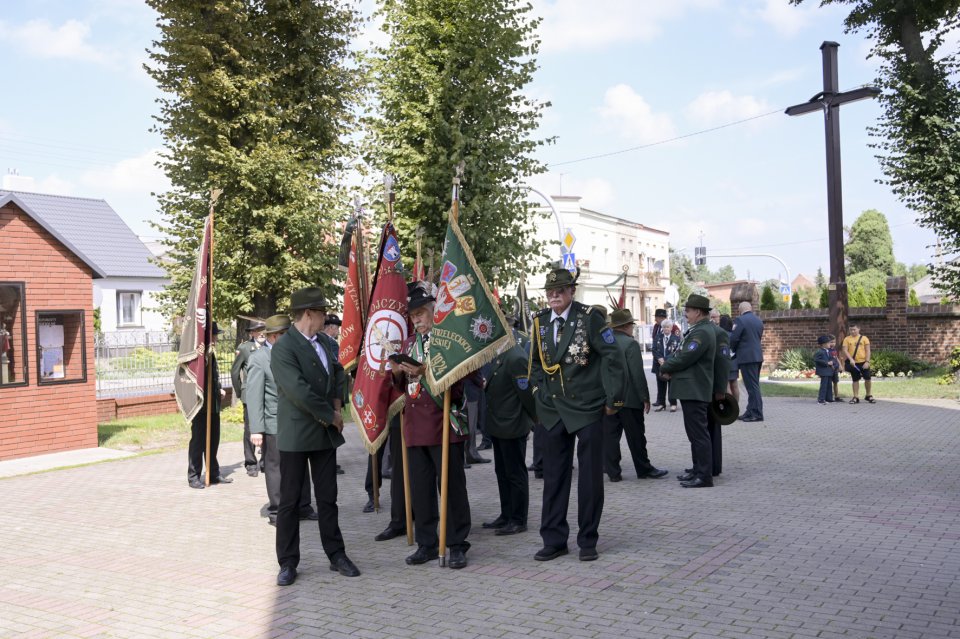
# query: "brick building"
47,377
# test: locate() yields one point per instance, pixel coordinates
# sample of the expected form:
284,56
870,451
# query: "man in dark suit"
309,429
636,402
748,354
577,374
238,375
510,417
197,448
658,316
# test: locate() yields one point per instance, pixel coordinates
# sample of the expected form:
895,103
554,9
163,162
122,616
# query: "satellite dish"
671,294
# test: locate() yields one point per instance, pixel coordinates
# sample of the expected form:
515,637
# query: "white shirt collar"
564,314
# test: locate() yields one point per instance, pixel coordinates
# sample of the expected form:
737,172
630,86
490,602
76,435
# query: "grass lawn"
156,432
925,387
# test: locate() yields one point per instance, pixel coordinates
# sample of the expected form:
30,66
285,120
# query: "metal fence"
132,364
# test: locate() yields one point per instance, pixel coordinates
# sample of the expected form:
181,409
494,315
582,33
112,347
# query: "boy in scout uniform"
510,417
690,371
577,375
238,375
636,402
309,429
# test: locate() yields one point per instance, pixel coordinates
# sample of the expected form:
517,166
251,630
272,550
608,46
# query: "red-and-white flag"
375,400
190,380
354,298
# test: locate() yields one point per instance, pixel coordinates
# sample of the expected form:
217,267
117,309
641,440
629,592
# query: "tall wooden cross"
829,101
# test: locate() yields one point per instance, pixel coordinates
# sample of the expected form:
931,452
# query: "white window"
128,308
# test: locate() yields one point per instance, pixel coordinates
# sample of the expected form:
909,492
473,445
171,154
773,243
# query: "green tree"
868,279
870,246
825,298
918,137
450,88
820,280
768,301
915,273
795,301
914,300
682,273
724,274
257,99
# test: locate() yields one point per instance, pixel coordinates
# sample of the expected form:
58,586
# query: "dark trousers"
510,466
557,477
293,468
398,512
368,480
701,449
629,421
716,443
425,466
662,387
249,450
751,380
197,449
473,421
826,388
271,472
538,434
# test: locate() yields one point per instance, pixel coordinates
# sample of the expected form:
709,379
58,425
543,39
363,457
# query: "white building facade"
605,247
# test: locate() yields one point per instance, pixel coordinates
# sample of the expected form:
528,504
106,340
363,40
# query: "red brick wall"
43,419
928,332
111,409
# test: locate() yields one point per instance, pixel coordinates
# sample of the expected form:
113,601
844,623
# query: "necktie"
560,321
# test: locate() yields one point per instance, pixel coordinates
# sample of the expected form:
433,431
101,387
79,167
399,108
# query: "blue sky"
620,74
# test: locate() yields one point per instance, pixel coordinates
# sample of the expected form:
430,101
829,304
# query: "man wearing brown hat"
636,402
261,405
577,374
309,430
238,375
690,371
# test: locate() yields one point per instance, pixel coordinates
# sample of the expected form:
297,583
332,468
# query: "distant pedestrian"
745,341
656,334
238,376
856,355
667,343
726,323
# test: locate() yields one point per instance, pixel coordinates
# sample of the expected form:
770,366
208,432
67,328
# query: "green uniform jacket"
721,360
590,374
510,409
238,374
306,393
261,392
635,393
691,367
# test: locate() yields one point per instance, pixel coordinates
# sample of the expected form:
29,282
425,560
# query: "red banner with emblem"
375,400
351,332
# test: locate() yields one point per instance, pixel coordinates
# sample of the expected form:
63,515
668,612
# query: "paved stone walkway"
828,521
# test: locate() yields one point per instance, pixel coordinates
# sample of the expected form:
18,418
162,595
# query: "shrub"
885,362
953,375
796,359
767,300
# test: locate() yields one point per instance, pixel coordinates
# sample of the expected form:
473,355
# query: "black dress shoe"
477,460
340,470
655,473
550,552
422,556
309,515
660,409
344,566
499,522
511,529
466,465
616,478
389,533
368,507
457,559
197,483
288,575
588,554
485,446
688,471
253,471
743,417
686,477
272,520
697,483
220,479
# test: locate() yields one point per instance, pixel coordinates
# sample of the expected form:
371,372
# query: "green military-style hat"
277,323
621,317
310,297
602,309
697,301
560,278
725,410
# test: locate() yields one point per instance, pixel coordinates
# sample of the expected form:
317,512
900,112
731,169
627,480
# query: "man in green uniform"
721,372
577,374
238,375
636,402
510,417
309,429
690,371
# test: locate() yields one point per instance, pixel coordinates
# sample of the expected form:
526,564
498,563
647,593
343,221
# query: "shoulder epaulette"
542,311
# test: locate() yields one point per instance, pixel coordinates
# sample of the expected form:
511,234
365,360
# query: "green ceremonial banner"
468,327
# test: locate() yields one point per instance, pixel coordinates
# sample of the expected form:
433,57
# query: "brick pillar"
897,300
744,292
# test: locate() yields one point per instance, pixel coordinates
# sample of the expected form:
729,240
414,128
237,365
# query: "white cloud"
131,175
595,192
578,25
631,115
786,19
38,38
721,107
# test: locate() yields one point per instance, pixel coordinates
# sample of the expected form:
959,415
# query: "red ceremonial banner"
351,332
191,378
375,400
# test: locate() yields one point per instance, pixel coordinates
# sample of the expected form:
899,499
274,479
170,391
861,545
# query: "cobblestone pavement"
828,521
